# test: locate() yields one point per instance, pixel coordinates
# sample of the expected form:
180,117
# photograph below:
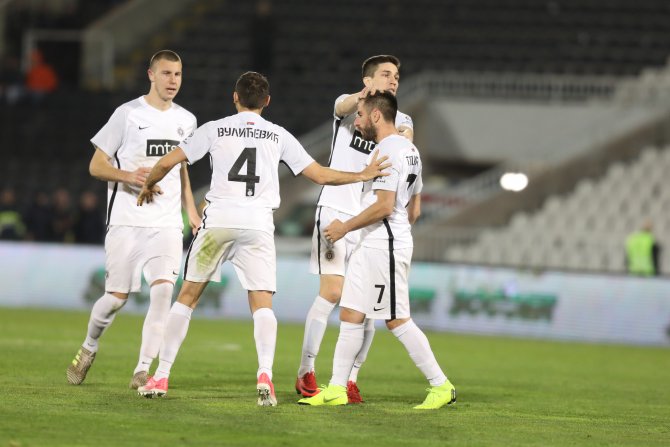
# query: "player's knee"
392,324
351,316
331,295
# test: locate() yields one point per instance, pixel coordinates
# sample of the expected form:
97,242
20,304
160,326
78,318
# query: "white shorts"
376,283
131,251
329,258
251,252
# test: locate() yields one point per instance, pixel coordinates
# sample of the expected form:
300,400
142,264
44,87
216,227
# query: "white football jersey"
137,135
245,152
349,152
405,180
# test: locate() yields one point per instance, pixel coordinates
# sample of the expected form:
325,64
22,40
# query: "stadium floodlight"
514,181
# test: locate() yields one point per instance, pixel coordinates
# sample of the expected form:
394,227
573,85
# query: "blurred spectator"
262,31
642,252
11,224
62,222
11,81
41,78
38,218
89,226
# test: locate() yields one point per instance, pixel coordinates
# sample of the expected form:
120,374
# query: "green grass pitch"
511,392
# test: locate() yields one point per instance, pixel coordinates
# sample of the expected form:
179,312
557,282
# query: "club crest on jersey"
180,131
360,144
330,255
158,148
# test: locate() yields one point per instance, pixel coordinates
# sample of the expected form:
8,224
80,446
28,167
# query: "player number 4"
247,156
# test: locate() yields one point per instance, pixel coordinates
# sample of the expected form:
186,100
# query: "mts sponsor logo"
360,144
158,148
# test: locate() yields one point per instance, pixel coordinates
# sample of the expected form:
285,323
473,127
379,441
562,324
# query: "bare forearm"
347,106
187,201
372,214
334,177
157,174
108,173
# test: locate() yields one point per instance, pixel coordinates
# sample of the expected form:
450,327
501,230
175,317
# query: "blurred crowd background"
571,93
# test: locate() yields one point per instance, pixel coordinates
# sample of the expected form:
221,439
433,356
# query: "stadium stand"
317,53
586,228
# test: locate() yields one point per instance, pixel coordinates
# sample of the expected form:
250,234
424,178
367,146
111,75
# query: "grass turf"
510,391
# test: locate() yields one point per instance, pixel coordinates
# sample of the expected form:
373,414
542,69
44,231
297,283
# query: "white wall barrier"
556,305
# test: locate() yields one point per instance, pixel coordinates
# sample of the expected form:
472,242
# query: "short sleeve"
198,144
293,154
389,182
110,138
418,184
337,101
192,127
403,120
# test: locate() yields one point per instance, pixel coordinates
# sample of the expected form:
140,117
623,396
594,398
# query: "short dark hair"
168,55
385,102
370,64
252,90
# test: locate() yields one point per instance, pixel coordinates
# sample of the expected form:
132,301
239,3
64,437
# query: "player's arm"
406,132
101,168
379,210
327,176
187,201
349,104
414,208
159,171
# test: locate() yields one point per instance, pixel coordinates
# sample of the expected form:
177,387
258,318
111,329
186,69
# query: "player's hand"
367,91
147,195
335,231
138,176
194,222
376,167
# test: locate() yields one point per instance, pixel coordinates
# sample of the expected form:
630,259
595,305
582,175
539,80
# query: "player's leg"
101,318
330,290
176,328
265,336
203,262
353,392
328,261
121,268
349,342
350,338
160,298
254,260
163,251
442,392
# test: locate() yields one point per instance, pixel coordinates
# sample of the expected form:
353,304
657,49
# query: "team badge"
180,131
330,255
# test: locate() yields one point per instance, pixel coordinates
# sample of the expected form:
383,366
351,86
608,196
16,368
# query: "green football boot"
438,396
330,395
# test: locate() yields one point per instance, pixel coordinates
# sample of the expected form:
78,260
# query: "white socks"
102,315
417,346
265,335
154,324
368,335
349,344
175,332
315,327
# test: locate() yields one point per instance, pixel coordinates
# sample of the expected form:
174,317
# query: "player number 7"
381,288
